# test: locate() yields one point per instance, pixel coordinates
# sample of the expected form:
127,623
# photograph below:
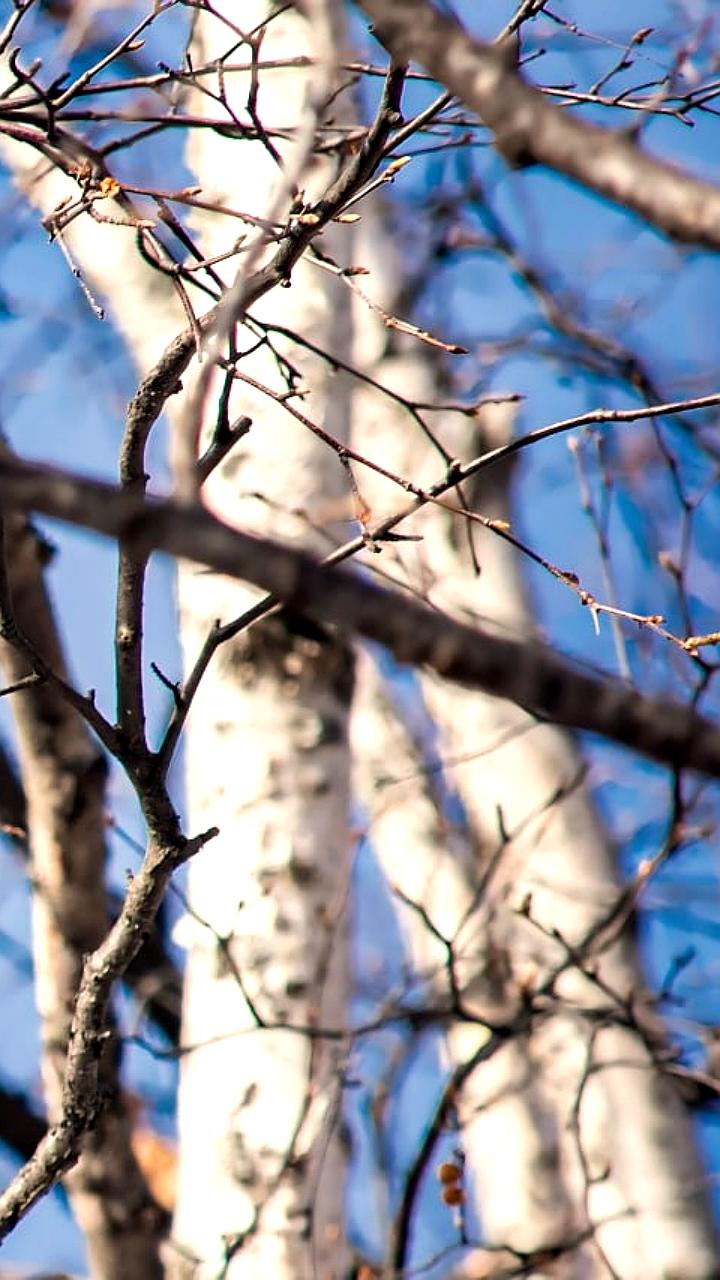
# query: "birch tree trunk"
570,1128
261,1170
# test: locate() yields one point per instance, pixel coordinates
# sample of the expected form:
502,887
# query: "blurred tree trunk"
63,773
571,1130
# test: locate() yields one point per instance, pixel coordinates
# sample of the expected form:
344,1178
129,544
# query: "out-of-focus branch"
20,1127
63,775
530,130
82,1099
13,808
522,671
152,977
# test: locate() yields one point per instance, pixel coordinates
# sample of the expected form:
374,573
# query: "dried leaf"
157,1159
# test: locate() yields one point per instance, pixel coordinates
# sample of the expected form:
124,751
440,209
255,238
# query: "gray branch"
528,129
525,672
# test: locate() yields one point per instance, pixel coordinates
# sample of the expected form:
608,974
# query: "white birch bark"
261,1171
266,746
571,1125
433,869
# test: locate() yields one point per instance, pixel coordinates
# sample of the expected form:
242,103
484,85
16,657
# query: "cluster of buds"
450,1175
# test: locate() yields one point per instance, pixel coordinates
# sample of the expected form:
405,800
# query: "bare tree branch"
153,977
522,671
530,130
82,1097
